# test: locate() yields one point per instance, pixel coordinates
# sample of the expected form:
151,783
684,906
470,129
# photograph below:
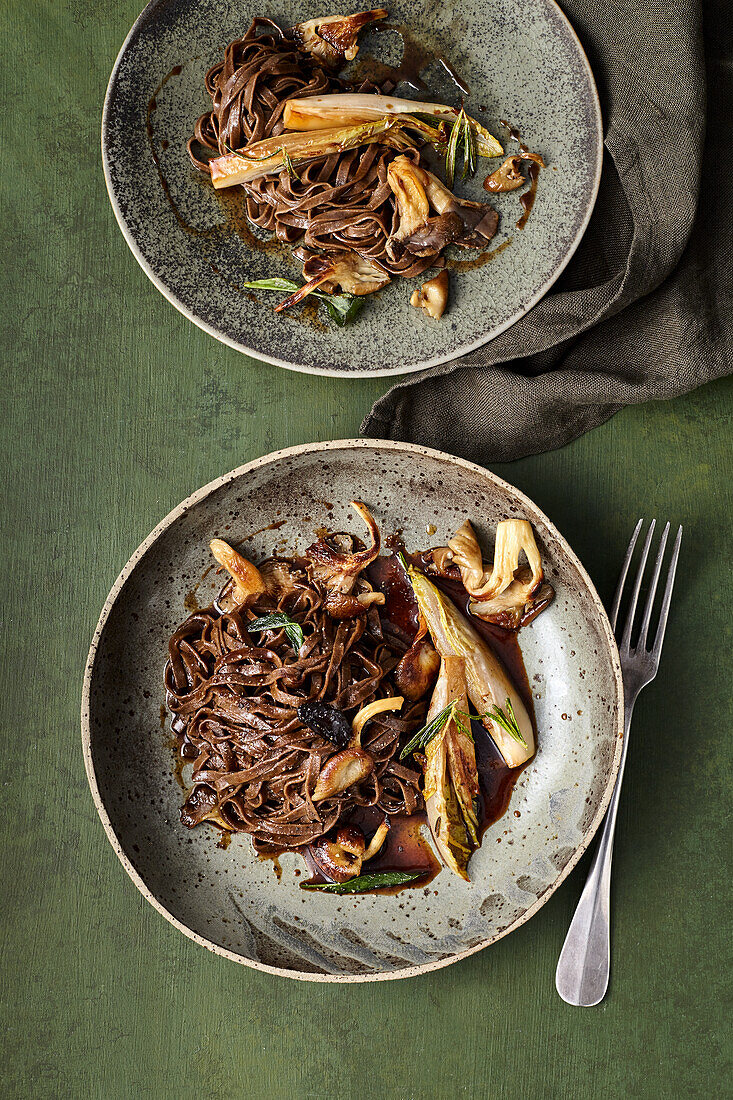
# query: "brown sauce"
400,609
416,57
527,197
278,523
231,199
533,173
480,260
405,849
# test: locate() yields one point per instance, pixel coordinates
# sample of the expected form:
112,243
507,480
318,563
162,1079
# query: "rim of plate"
331,372
168,521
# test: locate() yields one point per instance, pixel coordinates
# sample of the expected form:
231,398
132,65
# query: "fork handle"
584,965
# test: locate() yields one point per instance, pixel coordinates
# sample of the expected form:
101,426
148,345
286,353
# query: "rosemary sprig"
364,882
244,155
461,135
507,720
280,621
429,731
469,148
343,308
289,168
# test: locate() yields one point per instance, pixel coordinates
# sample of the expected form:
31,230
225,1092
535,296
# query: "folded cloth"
644,310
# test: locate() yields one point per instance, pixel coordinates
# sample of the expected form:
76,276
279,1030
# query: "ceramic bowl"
523,63
229,900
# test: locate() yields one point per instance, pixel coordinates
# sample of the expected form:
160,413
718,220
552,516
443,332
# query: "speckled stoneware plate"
227,899
523,63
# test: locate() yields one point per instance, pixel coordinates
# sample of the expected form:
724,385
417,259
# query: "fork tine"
626,639
652,589
664,613
622,578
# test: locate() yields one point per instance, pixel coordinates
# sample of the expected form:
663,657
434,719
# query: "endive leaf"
487,680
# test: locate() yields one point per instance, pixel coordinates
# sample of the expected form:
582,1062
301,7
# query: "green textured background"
115,408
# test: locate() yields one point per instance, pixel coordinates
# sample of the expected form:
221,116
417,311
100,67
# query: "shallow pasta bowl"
229,900
523,63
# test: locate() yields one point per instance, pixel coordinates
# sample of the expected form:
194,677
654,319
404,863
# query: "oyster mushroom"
480,220
352,763
432,297
509,594
436,233
407,183
248,581
508,177
354,274
340,859
370,710
341,771
337,569
417,670
333,39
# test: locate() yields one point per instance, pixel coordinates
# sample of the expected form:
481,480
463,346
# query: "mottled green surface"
114,409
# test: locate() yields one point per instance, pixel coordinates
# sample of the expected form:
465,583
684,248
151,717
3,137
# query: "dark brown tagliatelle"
234,703
337,202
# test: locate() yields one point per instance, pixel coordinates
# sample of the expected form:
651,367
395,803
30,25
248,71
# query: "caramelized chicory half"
488,684
451,777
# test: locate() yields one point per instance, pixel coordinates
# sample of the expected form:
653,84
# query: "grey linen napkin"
644,309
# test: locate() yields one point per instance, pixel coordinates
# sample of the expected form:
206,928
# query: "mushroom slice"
333,38
342,771
378,706
377,841
487,681
248,581
354,274
508,177
432,297
407,183
338,570
480,220
340,859
508,595
279,578
436,233
417,670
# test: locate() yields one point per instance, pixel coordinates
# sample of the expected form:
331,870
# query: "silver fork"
585,960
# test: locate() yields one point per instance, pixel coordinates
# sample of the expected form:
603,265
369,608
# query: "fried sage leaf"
342,308
279,621
358,885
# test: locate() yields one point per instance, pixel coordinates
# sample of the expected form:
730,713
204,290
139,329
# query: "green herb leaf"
364,882
289,164
469,148
280,621
280,285
429,731
401,557
450,156
462,135
342,307
507,720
